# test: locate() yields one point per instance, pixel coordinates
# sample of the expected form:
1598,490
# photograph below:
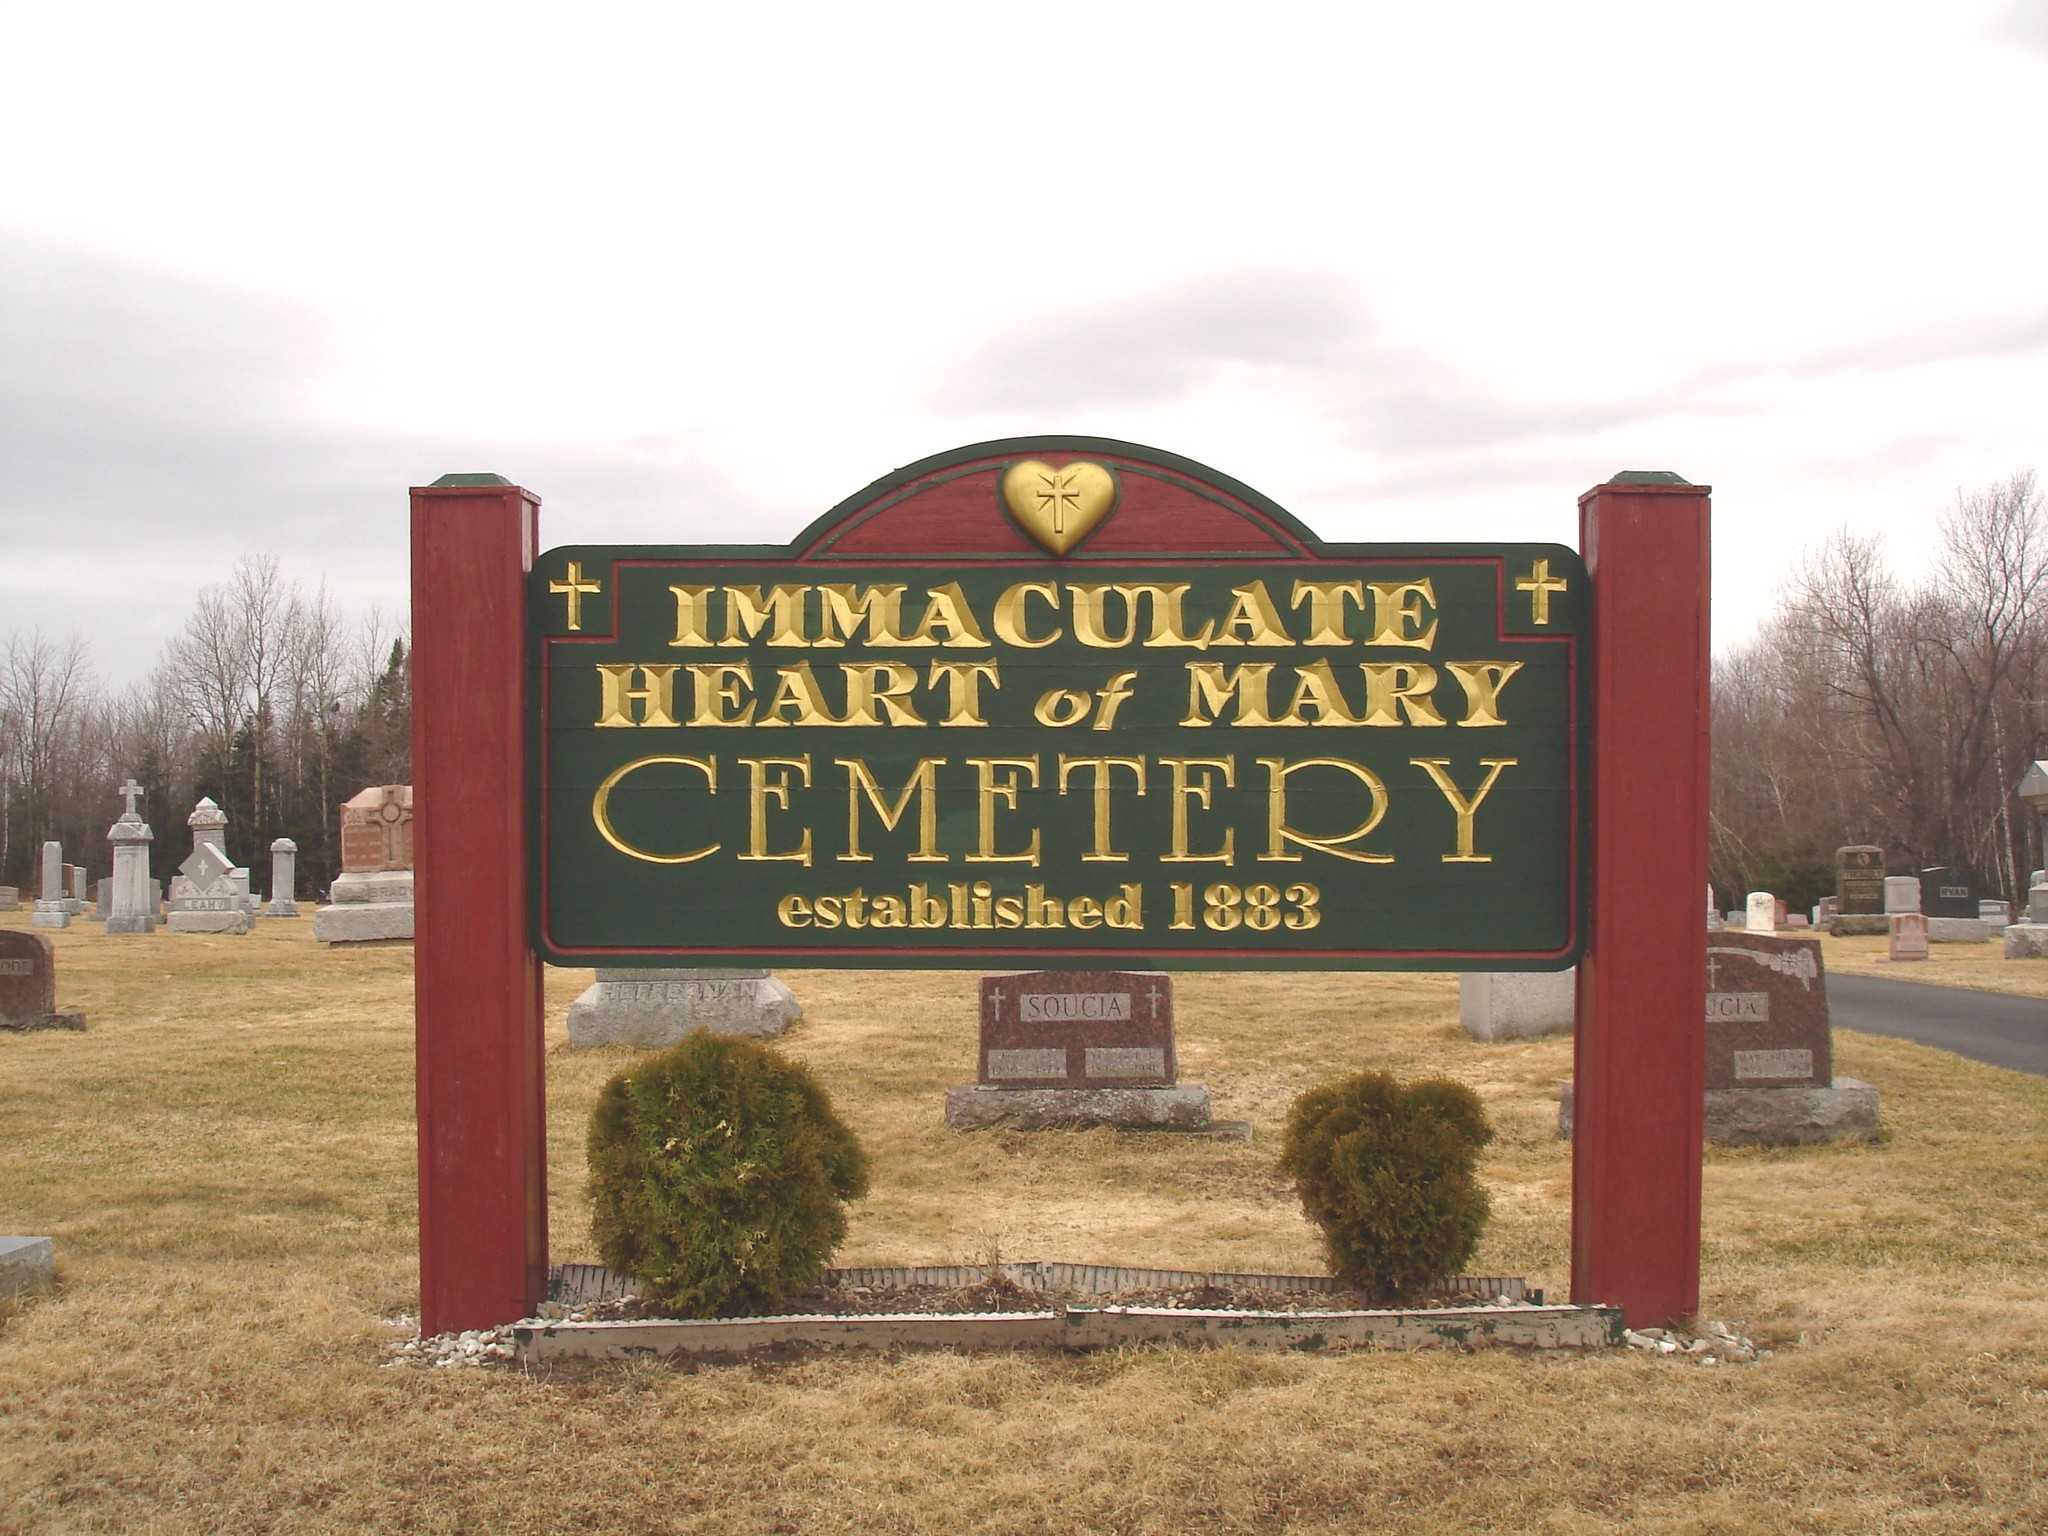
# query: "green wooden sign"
1059,701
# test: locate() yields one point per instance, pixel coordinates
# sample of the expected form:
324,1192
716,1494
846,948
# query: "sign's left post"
476,982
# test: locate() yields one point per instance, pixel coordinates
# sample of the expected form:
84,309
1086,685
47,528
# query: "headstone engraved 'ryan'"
28,983
1078,1048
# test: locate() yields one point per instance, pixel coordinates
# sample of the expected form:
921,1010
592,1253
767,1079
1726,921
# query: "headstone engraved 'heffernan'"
1949,900
372,896
1770,1054
28,983
655,1007
1078,1048
52,910
206,893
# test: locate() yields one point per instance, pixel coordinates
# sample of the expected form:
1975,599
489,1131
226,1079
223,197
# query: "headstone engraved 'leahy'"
28,983
1078,1048
372,896
657,1006
206,893
1770,1053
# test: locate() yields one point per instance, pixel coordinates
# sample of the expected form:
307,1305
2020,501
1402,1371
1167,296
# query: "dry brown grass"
1982,966
226,1162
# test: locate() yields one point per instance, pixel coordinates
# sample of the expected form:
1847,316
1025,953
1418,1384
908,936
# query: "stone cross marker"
133,908
1077,1029
1767,1013
28,983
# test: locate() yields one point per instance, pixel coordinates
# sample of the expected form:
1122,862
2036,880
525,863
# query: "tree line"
1890,710
267,700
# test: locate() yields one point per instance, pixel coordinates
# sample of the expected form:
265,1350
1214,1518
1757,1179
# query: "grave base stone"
1183,1107
1845,1110
2026,941
657,1007
27,1264
1516,1005
1958,930
50,914
1850,924
367,909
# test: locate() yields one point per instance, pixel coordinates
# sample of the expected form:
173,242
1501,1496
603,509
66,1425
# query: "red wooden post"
1640,1051
476,984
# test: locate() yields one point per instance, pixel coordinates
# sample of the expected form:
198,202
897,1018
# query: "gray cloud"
153,428
2025,25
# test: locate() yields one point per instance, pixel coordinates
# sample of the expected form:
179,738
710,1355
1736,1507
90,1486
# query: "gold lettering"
990,787
1278,772
1326,608
1398,609
948,609
693,615
923,783
717,690
763,788
1482,682
1253,619
1439,771
888,684
1316,693
656,696
1391,687
1088,615
879,607
1211,686
1168,627
781,612
1100,767
797,691
600,808
1184,790
1013,623
963,688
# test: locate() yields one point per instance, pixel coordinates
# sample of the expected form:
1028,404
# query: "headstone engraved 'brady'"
206,893
372,896
1078,1048
1770,1054
657,1006
28,983
52,910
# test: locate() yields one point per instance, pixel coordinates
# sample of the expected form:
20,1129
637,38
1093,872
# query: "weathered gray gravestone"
52,911
133,908
1859,890
1760,913
1770,1055
28,983
10,898
1901,894
26,1264
1078,1048
284,879
656,1007
1517,1005
206,893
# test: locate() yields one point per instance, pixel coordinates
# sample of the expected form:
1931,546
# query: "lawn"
226,1161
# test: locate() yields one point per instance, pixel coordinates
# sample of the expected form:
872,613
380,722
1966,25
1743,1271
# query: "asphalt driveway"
1994,1027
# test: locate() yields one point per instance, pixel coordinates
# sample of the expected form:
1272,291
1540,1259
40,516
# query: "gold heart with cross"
1058,507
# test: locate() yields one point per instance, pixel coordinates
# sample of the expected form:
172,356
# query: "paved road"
1997,1027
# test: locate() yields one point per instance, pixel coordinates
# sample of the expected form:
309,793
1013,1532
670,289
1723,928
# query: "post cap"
447,482
1647,477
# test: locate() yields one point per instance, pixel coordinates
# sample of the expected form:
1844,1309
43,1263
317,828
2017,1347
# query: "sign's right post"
1640,1046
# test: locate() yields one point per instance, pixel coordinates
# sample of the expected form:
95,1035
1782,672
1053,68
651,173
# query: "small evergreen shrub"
1387,1171
719,1176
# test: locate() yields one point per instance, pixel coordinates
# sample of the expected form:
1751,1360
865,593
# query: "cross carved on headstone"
131,792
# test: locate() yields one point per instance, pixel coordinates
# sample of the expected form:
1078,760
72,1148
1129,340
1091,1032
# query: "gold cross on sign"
574,587
1059,493
1539,584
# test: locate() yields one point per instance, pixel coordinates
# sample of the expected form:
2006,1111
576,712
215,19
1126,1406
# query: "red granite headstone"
1077,1029
1767,1013
376,830
28,983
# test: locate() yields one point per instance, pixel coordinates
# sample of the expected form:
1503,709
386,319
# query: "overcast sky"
695,272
